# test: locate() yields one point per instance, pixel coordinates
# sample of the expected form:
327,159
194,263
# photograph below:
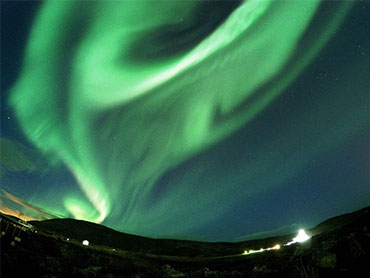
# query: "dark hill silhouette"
340,247
100,235
338,222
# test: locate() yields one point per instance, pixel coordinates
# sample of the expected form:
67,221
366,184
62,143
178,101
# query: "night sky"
205,120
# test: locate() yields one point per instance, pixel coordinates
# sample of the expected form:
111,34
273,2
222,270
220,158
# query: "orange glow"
16,213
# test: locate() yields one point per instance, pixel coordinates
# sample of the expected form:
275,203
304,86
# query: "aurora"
124,92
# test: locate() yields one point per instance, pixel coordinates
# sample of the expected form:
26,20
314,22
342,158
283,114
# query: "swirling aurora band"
120,118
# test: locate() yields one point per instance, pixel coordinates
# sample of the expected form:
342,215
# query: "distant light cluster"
276,247
302,236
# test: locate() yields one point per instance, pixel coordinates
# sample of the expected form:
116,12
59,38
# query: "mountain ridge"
97,234
339,247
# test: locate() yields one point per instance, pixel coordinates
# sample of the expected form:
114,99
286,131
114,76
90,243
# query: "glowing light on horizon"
85,242
302,236
275,247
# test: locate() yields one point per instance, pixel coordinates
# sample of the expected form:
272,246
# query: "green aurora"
121,118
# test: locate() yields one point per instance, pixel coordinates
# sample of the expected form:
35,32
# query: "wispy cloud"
14,212
16,157
26,211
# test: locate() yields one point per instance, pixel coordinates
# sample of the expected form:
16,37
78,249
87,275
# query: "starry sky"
204,120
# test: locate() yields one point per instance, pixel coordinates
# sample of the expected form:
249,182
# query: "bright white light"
277,246
85,242
302,236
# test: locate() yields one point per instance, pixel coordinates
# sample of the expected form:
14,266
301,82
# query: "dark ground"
340,247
